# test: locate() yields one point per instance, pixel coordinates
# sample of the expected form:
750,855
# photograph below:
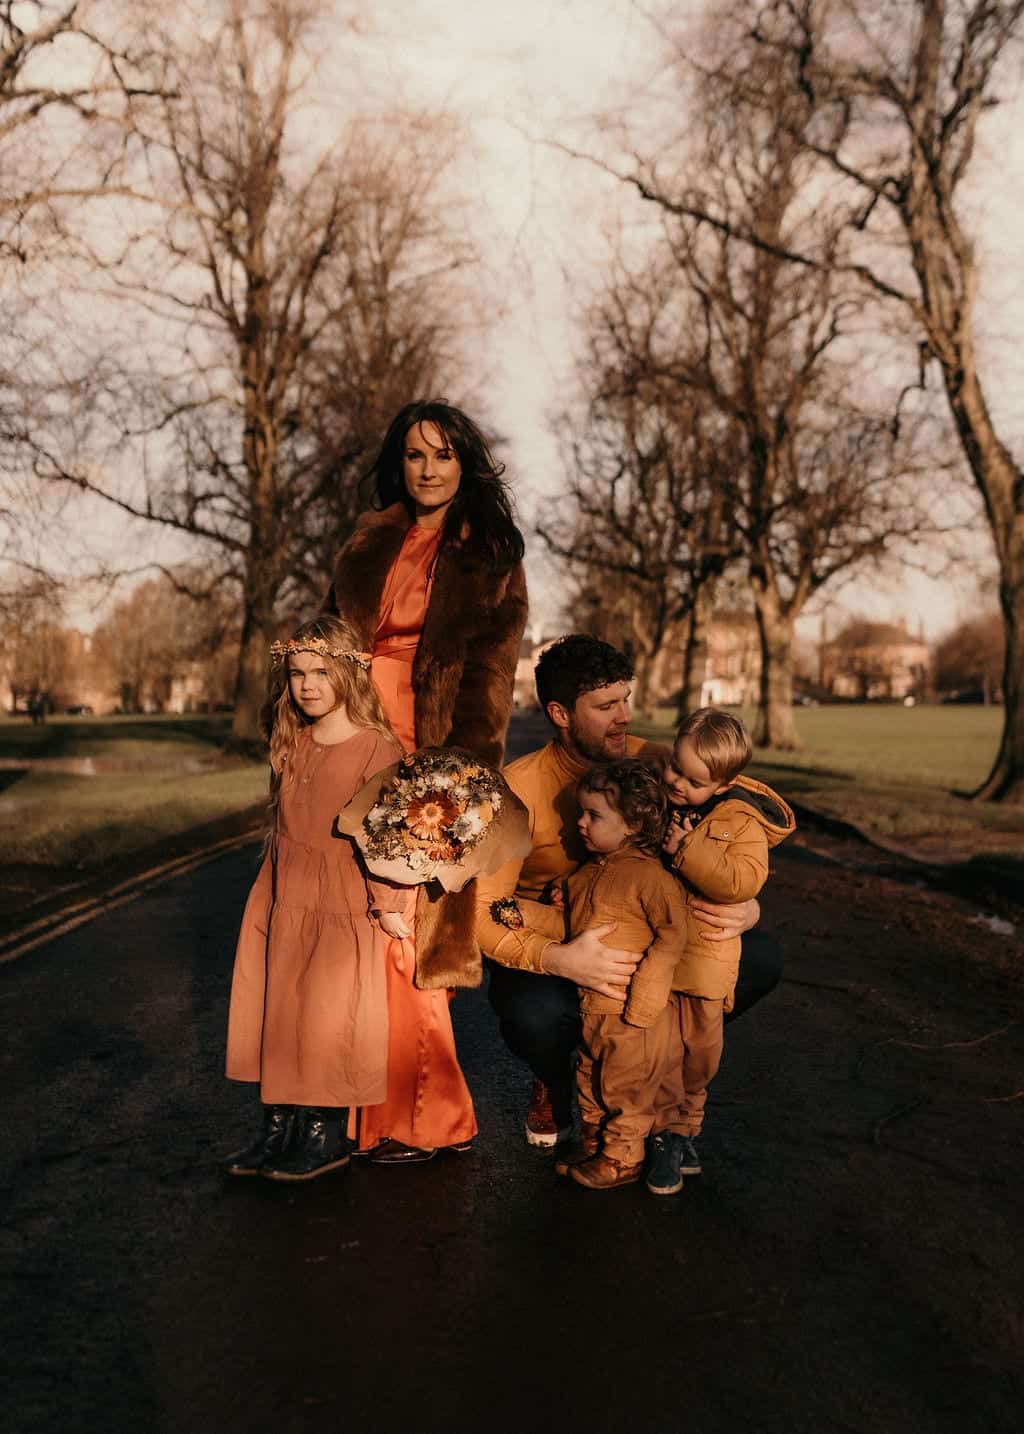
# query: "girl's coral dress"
309,1001
428,1102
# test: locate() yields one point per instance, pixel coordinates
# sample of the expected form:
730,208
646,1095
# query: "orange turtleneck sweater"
545,782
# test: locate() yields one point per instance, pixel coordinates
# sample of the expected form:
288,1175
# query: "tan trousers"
697,1037
621,1070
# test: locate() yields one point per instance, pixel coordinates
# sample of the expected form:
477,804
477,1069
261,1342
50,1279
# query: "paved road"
848,1262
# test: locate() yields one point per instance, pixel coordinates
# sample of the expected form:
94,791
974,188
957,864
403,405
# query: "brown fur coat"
462,679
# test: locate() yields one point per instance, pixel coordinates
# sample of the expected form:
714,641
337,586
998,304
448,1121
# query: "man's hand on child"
588,962
722,923
392,924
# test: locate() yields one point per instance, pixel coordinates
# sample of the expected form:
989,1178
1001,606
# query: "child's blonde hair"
332,640
720,740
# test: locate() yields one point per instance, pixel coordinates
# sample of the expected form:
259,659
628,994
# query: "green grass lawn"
892,770
175,776
157,738
50,819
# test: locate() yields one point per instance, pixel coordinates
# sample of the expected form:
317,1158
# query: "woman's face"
432,473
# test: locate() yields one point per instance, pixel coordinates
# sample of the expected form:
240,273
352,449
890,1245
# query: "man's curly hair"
632,789
577,664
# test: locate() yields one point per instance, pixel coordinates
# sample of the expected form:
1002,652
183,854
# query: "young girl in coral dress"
432,583
308,1015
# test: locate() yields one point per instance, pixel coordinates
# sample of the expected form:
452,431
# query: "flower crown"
281,651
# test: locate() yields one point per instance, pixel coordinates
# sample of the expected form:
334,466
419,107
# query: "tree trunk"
253,662
775,726
643,663
1002,487
944,263
695,657
1005,782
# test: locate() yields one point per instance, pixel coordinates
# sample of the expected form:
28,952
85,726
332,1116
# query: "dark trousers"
539,1016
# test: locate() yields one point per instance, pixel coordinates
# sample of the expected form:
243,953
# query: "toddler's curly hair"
632,789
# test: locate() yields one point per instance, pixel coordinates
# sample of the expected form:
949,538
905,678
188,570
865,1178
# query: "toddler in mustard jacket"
721,829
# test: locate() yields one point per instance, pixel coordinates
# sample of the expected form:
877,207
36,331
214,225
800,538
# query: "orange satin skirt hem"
428,1101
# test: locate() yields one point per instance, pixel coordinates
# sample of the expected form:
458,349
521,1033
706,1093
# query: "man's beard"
590,749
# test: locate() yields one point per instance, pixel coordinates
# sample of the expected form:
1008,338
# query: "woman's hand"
722,923
392,924
588,962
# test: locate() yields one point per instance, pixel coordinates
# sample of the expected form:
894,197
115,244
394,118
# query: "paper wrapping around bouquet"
439,814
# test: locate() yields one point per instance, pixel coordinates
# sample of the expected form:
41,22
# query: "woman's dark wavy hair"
482,505
632,789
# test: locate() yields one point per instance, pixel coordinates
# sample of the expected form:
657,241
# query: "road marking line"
70,918
170,867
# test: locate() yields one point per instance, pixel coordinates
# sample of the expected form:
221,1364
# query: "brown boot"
604,1172
579,1150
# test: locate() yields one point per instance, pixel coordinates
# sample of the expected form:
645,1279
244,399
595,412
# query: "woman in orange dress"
432,581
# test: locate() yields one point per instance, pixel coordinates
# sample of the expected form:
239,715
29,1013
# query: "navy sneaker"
664,1176
690,1160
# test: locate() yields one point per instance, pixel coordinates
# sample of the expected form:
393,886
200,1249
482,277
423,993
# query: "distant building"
868,661
732,675
189,689
732,668
524,690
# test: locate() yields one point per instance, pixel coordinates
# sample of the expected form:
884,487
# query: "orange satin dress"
428,1101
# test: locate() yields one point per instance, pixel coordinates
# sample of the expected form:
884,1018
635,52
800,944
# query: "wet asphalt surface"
849,1260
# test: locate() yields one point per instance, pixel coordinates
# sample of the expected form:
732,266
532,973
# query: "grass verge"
156,739
50,819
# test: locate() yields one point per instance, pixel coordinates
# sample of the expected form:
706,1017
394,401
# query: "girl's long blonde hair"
350,680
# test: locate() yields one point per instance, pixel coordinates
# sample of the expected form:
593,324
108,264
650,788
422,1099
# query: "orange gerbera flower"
428,816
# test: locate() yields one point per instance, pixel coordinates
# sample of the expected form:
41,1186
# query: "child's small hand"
676,831
554,894
392,924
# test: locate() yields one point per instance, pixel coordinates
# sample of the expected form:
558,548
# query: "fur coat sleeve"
462,679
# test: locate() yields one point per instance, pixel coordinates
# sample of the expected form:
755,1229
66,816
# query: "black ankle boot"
319,1144
273,1139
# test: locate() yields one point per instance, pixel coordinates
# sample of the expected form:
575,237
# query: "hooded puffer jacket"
725,859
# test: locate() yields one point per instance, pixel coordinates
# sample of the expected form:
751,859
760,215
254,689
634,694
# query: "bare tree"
971,658
160,636
34,647
644,533
643,528
287,295
71,74
888,100
813,487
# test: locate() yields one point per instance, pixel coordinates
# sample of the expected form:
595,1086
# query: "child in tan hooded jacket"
721,830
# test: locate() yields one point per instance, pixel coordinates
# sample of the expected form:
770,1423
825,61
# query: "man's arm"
584,960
